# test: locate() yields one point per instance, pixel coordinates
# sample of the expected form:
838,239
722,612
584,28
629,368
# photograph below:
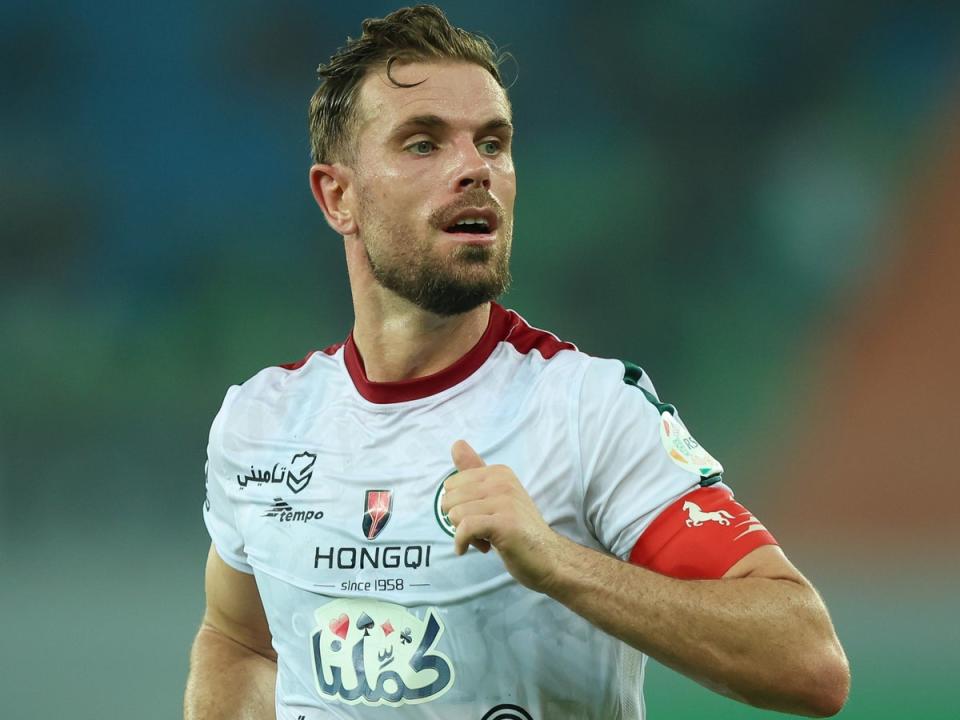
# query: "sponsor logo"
377,510
301,470
378,653
285,512
443,520
697,517
296,476
389,556
507,712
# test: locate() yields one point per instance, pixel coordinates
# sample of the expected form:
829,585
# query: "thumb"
465,457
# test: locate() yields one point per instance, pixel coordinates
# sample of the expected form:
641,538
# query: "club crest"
377,509
443,520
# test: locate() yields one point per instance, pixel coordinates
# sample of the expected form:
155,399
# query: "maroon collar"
498,328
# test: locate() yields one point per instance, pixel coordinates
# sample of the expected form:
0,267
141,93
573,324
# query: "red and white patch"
700,536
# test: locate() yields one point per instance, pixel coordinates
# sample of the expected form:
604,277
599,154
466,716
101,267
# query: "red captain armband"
700,536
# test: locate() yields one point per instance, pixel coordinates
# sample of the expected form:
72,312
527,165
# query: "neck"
400,341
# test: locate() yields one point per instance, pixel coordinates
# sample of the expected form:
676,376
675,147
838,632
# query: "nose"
472,170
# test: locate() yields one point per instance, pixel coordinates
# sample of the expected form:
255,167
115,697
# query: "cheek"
399,190
508,188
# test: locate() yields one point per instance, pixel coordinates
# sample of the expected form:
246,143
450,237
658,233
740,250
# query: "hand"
489,507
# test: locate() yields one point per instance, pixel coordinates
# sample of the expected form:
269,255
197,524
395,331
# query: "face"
435,184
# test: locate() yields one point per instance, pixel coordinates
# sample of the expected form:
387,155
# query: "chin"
474,253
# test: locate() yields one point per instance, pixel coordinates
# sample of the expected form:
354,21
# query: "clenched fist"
490,508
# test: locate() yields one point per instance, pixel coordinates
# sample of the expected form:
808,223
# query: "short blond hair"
409,34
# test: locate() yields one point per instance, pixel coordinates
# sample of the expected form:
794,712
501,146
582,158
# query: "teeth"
472,221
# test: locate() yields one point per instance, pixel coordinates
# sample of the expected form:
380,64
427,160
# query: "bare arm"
760,635
233,667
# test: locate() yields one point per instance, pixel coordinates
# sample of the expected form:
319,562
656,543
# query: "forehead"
461,93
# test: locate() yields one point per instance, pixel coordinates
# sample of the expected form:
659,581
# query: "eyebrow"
435,122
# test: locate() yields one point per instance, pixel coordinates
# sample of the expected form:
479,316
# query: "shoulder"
601,377
526,339
609,381
275,390
540,351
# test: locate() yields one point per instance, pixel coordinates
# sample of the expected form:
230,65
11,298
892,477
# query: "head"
411,139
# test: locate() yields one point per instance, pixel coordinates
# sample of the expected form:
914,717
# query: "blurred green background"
710,189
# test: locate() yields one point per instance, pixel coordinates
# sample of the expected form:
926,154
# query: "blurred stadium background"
757,201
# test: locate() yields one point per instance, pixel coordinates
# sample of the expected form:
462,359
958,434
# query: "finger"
458,512
466,481
474,530
465,457
462,492
481,545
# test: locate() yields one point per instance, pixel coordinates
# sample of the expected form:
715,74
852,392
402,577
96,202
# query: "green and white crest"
442,520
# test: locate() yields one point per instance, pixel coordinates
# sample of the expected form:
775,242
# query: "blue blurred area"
700,184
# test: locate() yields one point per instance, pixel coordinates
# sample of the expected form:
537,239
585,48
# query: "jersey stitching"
582,484
222,454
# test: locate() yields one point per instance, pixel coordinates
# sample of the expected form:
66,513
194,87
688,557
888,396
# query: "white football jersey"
327,488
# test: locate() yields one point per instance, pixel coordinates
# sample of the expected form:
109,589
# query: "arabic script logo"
297,477
378,653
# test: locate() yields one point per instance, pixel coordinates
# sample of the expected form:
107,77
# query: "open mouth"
473,221
472,226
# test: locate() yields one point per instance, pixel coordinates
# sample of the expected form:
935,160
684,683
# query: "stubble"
409,265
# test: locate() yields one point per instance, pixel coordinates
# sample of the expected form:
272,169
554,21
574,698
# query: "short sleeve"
636,455
218,509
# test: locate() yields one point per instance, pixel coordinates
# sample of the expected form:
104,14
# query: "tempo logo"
285,512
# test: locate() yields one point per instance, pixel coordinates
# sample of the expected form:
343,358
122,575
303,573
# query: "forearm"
228,681
764,641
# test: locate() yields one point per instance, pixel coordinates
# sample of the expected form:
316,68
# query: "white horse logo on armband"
698,517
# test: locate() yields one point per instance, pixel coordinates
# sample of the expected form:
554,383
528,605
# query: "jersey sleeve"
218,508
700,536
640,466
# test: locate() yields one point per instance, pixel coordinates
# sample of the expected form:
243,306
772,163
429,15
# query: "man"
354,497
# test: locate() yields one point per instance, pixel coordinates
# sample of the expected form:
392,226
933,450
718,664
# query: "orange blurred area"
870,468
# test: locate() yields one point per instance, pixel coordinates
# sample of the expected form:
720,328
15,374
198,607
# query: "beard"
408,265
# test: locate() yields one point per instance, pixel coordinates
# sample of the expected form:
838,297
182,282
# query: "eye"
421,147
490,147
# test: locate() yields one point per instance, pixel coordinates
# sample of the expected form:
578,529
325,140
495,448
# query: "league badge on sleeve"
684,450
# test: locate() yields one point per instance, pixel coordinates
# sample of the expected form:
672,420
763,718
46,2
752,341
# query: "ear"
331,189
